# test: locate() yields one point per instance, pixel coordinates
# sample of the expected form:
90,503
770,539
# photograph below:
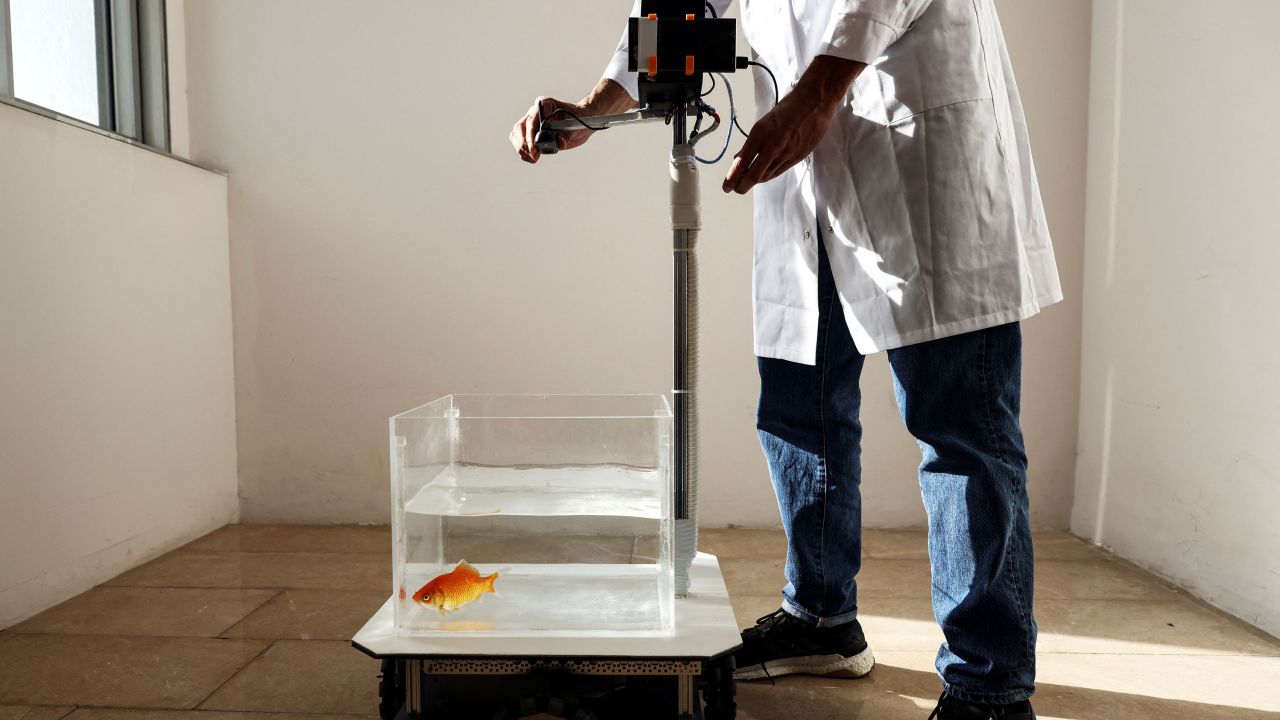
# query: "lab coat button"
806,234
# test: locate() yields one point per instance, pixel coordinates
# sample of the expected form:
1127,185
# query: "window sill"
45,112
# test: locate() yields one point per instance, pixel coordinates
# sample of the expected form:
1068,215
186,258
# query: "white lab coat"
923,188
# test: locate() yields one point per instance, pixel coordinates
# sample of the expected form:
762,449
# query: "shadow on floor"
891,692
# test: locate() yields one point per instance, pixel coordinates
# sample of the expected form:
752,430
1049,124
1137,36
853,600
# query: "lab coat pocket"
958,194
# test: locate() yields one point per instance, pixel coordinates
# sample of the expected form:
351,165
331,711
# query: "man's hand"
606,99
789,132
526,128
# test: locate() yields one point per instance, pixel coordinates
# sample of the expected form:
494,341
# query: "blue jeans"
959,397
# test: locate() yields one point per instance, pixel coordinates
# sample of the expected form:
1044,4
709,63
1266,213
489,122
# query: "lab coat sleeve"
861,29
617,68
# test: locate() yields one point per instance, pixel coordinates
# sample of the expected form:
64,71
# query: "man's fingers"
759,166
743,158
528,150
736,169
743,168
752,144
778,168
518,140
531,129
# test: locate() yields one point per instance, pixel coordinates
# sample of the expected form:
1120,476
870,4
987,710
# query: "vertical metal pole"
413,688
124,65
153,78
106,75
680,255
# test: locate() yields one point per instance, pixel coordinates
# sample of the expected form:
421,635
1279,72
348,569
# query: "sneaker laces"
771,619
937,708
763,625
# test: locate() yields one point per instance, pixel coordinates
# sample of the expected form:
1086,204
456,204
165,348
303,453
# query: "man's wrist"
607,98
827,80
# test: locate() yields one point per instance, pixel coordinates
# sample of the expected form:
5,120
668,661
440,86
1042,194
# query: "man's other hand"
791,130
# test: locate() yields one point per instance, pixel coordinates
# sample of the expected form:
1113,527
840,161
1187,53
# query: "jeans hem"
799,612
985,697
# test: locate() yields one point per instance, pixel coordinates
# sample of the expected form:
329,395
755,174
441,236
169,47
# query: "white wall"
1179,465
117,416
389,248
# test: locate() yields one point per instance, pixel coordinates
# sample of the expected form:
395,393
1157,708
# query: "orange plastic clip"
688,64
653,65
689,16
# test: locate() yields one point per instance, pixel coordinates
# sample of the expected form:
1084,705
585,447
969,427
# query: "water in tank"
533,514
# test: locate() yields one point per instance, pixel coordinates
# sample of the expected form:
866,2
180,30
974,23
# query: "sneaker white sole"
825,665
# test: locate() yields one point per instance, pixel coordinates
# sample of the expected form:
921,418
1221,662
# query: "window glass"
55,57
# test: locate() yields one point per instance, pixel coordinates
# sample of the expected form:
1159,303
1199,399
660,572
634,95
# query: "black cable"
771,77
711,9
775,92
584,123
713,85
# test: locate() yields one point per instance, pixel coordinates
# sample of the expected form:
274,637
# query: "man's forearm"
790,131
607,98
826,81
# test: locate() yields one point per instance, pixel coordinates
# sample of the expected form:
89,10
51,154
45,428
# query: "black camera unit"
672,44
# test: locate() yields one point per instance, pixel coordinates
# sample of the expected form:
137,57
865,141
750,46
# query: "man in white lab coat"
896,209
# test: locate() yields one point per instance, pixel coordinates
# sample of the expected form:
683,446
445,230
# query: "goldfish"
460,586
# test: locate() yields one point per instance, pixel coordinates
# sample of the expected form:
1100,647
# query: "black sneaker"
781,644
950,708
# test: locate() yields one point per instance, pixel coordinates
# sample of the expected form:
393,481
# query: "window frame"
132,69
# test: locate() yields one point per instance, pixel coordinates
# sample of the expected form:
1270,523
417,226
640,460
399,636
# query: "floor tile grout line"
359,553
243,587
127,636
273,640
1041,653
1047,653
17,629
878,596
171,709
118,636
234,675
223,634
198,551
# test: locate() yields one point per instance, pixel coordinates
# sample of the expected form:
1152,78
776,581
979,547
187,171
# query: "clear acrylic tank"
566,497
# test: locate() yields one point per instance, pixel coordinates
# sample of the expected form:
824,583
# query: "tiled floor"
254,622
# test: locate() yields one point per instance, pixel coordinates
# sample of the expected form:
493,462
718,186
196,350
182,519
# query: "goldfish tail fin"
492,578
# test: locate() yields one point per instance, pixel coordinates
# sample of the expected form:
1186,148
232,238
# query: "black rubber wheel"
391,693
718,690
568,708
